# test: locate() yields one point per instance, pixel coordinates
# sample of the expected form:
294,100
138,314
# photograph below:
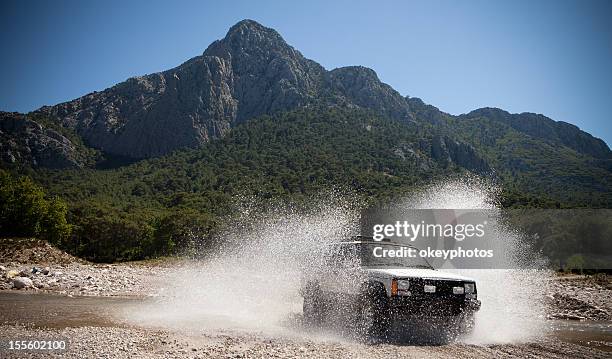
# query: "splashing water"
513,308
252,282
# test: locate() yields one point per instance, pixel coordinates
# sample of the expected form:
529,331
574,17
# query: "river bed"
59,312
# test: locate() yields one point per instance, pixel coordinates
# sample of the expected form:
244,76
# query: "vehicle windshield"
368,259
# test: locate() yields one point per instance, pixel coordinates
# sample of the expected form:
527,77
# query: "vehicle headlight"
400,287
403,284
469,287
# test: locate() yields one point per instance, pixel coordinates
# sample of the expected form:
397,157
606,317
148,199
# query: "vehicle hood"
417,273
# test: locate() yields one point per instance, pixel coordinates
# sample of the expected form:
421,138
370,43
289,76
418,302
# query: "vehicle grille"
443,287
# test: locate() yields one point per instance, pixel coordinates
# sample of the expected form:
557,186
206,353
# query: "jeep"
374,291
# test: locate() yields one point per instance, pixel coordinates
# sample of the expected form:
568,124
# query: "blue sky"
549,57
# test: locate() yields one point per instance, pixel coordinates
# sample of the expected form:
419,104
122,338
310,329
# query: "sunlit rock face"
250,72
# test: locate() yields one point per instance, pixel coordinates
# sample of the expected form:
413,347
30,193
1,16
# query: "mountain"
542,127
253,72
148,162
534,125
250,72
24,140
151,206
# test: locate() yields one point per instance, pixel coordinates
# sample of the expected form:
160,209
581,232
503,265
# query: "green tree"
25,211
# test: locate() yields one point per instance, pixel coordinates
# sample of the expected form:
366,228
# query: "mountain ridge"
251,72
147,163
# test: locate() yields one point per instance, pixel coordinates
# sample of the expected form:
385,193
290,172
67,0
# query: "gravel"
111,342
570,297
82,279
577,297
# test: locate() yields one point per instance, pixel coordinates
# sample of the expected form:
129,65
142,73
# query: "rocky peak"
252,71
361,73
361,86
267,74
249,34
249,40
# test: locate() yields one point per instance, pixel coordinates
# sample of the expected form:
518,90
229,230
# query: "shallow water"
55,311
586,333
58,311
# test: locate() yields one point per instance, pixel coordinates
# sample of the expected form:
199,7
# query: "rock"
26,141
36,270
46,270
250,72
2,269
540,126
22,282
11,274
361,86
445,150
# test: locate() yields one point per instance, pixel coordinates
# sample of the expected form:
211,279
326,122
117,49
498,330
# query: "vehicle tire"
457,326
373,314
466,325
313,308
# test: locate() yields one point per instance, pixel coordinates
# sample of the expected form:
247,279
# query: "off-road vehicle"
355,284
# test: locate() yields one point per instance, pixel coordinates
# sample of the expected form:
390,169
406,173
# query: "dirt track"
71,302
113,342
91,331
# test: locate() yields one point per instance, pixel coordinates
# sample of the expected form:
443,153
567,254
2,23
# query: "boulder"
22,282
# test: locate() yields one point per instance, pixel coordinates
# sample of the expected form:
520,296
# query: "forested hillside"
158,161
152,206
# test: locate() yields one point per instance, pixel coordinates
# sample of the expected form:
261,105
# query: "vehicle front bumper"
431,305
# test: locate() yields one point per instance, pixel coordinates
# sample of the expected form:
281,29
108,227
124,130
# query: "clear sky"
549,57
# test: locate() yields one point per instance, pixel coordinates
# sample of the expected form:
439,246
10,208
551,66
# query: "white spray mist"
252,283
513,308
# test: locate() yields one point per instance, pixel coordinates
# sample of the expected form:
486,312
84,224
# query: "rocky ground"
40,268
109,342
578,297
80,279
37,267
